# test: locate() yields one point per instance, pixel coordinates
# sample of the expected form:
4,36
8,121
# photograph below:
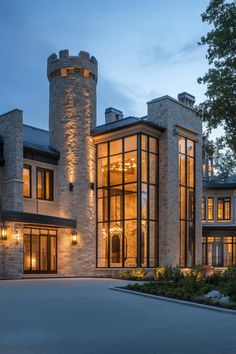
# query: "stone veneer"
72,115
11,252
172,115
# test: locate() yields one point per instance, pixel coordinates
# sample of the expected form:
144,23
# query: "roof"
218,185
37,139
122,123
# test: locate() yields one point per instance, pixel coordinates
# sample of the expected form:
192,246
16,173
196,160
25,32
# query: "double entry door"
40,250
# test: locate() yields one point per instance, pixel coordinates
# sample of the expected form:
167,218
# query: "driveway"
83,316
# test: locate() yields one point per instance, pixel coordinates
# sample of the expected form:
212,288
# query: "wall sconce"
71,186
16,234
92,185
3,232
74,237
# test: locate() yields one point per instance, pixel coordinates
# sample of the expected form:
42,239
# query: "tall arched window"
115,249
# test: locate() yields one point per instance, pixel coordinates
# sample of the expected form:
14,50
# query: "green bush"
168,273
132,274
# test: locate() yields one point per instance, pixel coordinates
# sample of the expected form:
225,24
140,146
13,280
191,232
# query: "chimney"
112,115
186,98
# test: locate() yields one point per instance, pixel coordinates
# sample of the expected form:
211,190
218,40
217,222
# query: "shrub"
167,273
132,274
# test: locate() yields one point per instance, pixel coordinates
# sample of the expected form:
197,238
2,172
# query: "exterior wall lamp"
92,185
71,187
16,234
74,237
3,232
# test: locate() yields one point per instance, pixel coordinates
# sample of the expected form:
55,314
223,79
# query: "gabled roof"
37,139
122,123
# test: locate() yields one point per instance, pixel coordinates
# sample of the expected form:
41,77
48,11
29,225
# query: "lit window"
210,209
186,201
127,229
44,184
27,181
203,208
223,208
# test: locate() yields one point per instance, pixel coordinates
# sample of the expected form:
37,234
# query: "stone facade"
72,118
72,115
174,116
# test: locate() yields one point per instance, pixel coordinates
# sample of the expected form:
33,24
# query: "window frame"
51,183
224,200
204,214
150,262
29,167
213,208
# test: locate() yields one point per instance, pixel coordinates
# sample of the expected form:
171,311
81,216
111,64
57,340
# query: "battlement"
64,64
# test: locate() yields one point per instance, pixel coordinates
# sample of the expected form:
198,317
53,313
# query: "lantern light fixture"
3,232
74,237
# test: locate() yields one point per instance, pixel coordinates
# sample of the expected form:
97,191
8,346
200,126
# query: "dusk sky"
145,49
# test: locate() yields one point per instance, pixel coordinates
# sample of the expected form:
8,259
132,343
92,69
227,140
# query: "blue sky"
145,49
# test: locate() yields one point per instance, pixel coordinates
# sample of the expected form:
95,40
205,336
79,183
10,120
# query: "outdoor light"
16,234
3,232
92,185
74,237
71,186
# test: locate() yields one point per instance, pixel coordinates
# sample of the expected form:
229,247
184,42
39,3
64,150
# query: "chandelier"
115,230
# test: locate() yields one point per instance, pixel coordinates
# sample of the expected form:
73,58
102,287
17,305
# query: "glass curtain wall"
127,202
187,201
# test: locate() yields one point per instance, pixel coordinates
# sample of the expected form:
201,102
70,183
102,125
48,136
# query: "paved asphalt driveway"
83,316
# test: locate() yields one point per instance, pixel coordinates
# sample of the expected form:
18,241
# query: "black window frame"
203,208
213,209
224,200
139,149
29,167
187,238
51,184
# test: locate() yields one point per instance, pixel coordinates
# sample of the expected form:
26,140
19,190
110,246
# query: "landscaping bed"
196,285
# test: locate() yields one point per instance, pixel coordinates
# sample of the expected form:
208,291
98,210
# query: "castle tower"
72,115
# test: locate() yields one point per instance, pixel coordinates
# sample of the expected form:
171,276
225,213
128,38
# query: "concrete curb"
180,302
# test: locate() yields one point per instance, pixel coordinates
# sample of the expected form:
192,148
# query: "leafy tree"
220,105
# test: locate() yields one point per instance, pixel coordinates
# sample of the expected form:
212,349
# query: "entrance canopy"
30,218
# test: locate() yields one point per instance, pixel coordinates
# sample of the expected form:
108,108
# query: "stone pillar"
177,119
11,129
72,115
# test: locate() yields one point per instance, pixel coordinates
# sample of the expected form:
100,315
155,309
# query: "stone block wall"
172,115
11,128
72,115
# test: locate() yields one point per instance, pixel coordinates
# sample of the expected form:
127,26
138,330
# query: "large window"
187,201
219,251
210,209
203,208
40,250
44,184
223,208
127,199
27,181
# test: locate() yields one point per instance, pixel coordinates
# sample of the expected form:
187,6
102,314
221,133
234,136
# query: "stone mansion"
86,200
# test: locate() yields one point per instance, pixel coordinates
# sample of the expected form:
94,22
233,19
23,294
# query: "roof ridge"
101,125
36,128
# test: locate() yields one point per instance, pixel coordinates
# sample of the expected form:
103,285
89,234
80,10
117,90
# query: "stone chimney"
186,98
112,115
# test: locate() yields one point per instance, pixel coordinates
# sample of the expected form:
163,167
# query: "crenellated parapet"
64,65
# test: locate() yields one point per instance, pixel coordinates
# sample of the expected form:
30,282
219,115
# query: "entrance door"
40,250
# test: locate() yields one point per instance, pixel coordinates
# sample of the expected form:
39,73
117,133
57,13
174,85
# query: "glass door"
40,250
